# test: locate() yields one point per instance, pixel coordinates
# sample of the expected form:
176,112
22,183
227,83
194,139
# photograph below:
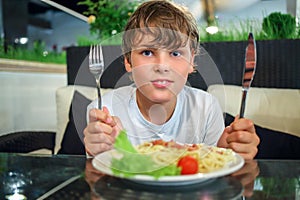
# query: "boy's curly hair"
171,25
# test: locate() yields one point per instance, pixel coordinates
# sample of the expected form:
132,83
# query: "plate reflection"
108,187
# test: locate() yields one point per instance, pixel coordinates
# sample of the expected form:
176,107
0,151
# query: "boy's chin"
161,97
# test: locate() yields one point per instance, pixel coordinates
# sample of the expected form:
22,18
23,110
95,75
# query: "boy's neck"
154,112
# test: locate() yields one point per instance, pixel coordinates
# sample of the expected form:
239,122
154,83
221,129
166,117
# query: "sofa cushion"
272,108
72,142
64,96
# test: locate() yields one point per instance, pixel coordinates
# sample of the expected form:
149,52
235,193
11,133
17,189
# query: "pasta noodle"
209,158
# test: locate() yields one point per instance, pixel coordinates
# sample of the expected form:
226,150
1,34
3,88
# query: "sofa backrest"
278,65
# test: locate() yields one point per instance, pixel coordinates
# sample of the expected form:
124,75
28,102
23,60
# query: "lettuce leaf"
133,163
122,143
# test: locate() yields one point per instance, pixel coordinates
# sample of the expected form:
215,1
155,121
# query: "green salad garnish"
133,163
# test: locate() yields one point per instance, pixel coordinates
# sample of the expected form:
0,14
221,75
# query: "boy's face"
159,73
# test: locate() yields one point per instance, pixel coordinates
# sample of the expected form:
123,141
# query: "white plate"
102,163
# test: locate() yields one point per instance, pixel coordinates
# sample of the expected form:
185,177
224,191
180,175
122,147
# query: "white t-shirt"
197,117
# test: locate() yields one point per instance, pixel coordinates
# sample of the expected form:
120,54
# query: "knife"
249,70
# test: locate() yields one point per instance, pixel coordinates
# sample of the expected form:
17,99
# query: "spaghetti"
209,158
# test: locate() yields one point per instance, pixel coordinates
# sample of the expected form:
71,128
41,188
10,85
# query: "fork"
96,67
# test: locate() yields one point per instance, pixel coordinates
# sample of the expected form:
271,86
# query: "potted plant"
279,26
108,18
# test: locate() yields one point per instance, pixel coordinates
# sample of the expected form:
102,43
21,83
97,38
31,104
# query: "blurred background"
43,29
38,20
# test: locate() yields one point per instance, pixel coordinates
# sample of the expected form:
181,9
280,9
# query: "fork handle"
99,99
243,104
99,95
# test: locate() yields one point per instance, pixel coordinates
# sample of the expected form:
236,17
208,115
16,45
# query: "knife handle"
243,104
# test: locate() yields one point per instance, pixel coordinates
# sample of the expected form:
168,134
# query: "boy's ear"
192,62
127,65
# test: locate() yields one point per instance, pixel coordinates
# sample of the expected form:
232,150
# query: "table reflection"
28,177
15,184
235,186
247,175
74,177
278,180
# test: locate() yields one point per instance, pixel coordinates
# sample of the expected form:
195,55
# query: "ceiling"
39,7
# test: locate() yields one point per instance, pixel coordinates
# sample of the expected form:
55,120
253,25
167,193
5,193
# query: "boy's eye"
147,53
175,53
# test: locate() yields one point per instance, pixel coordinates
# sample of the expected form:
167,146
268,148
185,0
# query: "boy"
160,42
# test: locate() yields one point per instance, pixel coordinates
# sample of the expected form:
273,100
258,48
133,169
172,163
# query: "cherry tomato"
188,164
159,142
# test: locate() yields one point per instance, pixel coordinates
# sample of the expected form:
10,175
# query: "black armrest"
27,141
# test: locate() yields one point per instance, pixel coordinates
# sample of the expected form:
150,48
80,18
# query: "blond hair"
165,21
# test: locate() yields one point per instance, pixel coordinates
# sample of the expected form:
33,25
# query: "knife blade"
249,71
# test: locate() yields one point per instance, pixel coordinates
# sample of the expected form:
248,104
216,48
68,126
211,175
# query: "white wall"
27,101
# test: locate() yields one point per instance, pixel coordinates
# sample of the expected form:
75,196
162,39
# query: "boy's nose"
162,68
163,64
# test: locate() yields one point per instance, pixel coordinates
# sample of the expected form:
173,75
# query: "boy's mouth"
161,83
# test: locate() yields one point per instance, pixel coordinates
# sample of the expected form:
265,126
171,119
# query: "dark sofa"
224,65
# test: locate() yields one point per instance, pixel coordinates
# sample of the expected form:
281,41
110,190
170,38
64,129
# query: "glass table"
25,176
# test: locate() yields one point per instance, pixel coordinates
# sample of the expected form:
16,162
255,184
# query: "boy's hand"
100,133
241,137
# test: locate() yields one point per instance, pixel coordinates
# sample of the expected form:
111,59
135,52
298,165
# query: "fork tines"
95,55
